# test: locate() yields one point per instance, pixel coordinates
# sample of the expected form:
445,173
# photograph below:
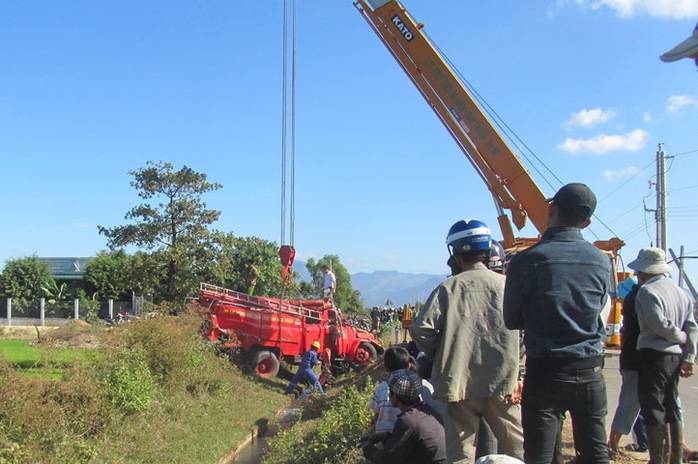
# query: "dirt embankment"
75,335
24,332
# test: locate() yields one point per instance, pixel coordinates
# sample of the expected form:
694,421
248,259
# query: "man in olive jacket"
476,358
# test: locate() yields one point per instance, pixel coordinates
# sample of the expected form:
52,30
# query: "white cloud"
601,144
626,172
647,117
668,9
675,102
589,118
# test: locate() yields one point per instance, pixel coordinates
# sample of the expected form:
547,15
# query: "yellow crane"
509,182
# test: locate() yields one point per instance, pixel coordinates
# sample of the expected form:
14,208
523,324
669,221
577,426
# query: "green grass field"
39,362
57,408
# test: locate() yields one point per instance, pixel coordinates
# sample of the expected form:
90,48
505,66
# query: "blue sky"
91,90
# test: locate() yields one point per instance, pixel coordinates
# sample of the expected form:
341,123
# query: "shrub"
127,381
176,353
91,414
50,421
89,309
334,439
387,335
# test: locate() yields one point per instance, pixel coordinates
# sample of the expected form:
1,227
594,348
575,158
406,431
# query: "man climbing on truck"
250,276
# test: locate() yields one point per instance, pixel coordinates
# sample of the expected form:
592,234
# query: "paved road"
688,390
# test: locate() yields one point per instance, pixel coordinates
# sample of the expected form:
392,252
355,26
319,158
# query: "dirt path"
73,335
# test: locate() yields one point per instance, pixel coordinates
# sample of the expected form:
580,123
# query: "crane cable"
287,252
285,149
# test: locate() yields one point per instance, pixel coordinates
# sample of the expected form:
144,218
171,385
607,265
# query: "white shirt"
330,280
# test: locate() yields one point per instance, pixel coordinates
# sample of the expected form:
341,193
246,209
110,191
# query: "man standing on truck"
330,284
305,370
556,291
250,276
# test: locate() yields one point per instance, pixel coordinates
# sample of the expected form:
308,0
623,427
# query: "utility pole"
660,213
679,262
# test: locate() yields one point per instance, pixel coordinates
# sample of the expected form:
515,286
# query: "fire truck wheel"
264,364
365,354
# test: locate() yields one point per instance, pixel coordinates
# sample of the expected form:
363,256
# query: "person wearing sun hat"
667,346
686,49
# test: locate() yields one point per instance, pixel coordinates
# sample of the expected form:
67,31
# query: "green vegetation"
155,393
175,225
38,362
330,438
24,278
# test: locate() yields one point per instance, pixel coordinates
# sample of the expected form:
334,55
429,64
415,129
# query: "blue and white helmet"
469,235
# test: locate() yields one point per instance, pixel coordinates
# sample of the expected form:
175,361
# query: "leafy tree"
25,278
266,258
232,258
175,229
345,297
109,275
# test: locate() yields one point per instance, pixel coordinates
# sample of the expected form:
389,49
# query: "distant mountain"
378,287
401,288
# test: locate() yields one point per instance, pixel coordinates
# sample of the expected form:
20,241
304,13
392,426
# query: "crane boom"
493,159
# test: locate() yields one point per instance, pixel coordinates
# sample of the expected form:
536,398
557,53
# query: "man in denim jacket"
556,291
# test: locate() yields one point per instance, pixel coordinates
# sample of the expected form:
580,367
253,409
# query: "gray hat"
405,384
650,261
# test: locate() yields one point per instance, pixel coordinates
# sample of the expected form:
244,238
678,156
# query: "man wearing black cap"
556,291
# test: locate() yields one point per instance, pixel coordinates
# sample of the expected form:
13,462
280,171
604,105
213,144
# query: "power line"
692,152
635,230
684,188
626,213
642,170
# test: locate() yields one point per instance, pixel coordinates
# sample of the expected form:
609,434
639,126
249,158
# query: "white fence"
58,313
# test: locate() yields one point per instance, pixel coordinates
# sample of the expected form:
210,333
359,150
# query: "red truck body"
272,329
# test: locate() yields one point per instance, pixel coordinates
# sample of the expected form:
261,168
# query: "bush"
127,381
89,309
104,408
387,335
176,354
50,421
336,436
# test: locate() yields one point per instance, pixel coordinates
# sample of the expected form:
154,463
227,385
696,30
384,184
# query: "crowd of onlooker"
506,360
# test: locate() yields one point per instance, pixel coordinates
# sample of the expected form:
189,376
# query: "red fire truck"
272,329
